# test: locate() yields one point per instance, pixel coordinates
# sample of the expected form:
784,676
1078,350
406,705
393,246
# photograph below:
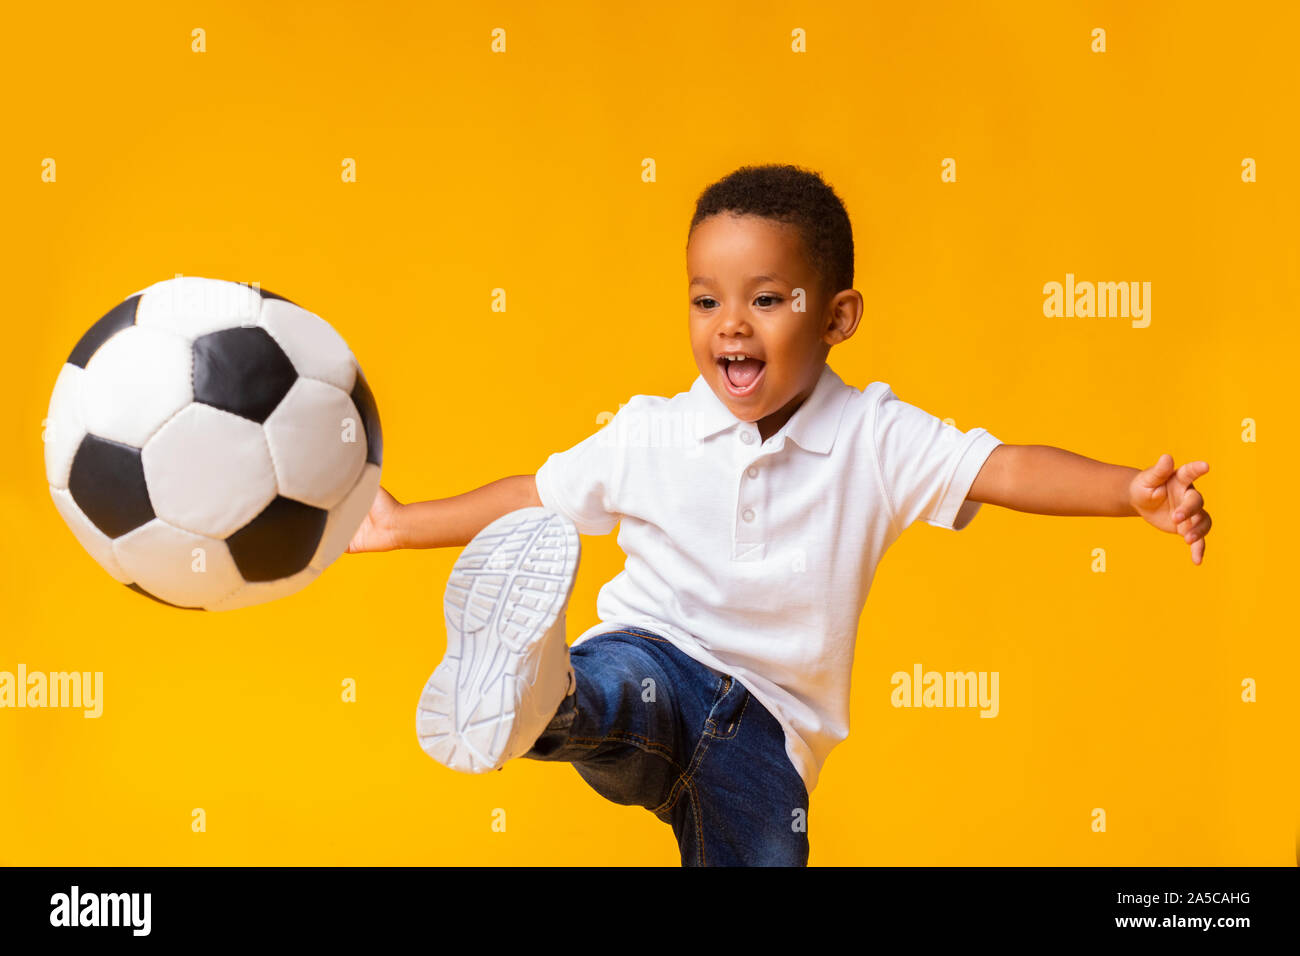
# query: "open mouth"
742,377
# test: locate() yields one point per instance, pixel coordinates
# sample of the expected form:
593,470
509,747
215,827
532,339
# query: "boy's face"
743,273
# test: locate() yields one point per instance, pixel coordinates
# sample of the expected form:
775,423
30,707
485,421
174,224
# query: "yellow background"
522,171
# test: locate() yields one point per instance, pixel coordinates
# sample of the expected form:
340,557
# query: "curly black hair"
798,197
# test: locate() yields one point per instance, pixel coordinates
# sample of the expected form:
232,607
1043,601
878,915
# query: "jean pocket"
729,700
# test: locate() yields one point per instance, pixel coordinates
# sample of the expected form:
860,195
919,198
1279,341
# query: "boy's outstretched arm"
1044,480
443,522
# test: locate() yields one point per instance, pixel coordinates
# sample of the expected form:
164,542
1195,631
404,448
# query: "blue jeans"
649,726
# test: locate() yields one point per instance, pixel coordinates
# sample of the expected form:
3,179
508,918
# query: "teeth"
735,358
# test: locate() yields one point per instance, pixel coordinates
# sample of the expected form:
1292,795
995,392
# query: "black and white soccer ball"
211,444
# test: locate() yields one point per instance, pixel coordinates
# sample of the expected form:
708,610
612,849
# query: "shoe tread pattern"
503,595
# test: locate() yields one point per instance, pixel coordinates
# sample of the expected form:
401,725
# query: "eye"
772,300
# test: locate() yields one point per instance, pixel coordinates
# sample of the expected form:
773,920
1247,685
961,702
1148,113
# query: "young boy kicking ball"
753,510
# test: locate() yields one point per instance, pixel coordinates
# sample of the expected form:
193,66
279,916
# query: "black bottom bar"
333,905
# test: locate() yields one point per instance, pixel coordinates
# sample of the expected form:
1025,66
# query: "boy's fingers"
1157,474
1192,470
1197,526
1190,505
1198,551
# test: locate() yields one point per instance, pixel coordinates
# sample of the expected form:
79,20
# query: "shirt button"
748,514
751,471
746,437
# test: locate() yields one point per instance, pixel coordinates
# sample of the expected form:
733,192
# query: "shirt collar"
813,426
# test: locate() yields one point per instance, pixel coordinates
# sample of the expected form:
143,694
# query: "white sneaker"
506,670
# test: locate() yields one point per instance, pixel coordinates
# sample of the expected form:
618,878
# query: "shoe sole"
524,562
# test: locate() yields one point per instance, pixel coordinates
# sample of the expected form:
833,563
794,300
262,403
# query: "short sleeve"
927,466
580,482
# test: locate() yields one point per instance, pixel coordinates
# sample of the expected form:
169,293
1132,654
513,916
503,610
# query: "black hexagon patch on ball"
242,371
279,542
268,294
107,483
114,321
364,400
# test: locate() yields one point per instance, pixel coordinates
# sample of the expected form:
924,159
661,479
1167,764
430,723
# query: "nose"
733,321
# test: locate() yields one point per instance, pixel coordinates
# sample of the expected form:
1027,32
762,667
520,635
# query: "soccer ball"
211,444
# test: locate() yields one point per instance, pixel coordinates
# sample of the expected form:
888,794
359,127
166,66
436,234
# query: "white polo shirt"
755,558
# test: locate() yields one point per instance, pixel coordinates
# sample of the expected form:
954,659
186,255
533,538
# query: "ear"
842,316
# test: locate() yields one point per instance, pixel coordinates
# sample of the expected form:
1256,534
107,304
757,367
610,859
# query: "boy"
753,510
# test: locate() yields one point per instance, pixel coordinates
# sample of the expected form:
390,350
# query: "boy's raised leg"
621,727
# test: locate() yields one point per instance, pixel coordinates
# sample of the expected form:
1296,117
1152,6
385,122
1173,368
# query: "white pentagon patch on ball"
133,383
312,464
63,427
209,471
212,445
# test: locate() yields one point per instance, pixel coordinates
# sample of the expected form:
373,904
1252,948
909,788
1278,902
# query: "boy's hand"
1164,496
378,532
